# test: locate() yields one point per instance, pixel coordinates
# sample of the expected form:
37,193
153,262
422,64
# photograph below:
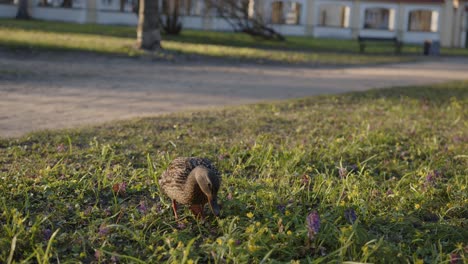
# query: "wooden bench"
362,42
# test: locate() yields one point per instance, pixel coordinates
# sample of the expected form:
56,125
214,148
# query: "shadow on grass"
231,39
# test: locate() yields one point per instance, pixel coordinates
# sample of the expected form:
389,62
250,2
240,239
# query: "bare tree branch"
242,16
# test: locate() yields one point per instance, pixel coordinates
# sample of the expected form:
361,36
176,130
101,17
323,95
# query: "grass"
377,176
121,39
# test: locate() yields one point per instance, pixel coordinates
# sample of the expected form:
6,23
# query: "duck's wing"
176,174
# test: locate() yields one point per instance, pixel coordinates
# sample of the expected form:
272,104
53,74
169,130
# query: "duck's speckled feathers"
173,181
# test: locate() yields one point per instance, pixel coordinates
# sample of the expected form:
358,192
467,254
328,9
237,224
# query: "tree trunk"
148,32
23,12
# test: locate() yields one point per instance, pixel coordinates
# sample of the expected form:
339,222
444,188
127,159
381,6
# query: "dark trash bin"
431,48
427,47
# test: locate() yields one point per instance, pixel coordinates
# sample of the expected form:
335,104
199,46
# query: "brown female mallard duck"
192,181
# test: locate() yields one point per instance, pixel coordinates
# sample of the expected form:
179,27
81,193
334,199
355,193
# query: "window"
334,16
293,13
423,20
286,13
277,13
379,18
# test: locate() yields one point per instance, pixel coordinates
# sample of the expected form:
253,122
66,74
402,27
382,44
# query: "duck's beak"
214,206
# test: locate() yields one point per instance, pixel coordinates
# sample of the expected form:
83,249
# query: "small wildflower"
47,233
229,196
97,254
252,247
289,233
114,258
142,207
250,229
219,241
190,261
103,230
181,225
250,215
61,148
287,213
417,206
313,224
432,177
350,215
455,258
281,208
389,192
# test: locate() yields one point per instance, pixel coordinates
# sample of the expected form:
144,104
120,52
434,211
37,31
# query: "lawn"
121,39
377,176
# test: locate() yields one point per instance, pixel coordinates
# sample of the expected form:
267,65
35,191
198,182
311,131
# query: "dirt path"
49,91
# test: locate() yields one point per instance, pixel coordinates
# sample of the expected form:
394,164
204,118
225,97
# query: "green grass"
230,39
121,39
395,157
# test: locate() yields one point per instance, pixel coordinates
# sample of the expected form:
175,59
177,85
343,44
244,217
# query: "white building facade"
410,21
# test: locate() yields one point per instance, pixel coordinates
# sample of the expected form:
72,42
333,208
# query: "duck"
192,181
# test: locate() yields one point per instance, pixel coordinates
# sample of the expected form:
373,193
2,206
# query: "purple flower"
181,225
281,208
432,177
142,207
455,258
354,168
97,254
313,224
229,196
350,215
47,233
114,258
389,192
103,230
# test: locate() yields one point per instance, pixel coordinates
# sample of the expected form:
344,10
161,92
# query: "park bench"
362,42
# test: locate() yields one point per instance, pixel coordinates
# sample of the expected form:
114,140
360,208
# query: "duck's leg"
197,210
174,207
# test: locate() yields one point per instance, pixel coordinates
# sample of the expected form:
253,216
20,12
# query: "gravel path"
61,90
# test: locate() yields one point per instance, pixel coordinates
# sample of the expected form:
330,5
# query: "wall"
73,15
7,11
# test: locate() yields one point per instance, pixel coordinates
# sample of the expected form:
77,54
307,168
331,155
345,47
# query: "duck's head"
209,185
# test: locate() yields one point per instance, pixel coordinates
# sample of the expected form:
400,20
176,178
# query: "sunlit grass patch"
377,176
121,40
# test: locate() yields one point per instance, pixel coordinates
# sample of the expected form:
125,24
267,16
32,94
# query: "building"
411,21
